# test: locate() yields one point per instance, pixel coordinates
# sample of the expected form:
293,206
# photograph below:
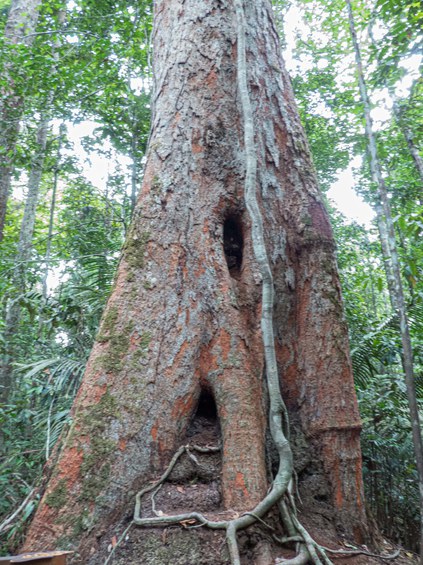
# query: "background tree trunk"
23,255
21,22
397,291
181,333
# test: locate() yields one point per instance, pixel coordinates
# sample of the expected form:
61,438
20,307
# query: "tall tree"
227,289
21,23
390,248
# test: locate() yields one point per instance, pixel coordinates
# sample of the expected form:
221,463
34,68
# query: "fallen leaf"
180,489
114,541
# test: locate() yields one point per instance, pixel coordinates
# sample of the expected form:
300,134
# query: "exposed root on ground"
195,519
347,552
308,549
303,557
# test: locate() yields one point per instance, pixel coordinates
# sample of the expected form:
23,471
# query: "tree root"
195,519
302,558
308,549
352,552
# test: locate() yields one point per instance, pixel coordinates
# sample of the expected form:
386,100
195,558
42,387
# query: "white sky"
346,200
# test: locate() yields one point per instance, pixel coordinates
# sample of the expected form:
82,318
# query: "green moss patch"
108,324
119,342
134,249
57,498
95,468
97,417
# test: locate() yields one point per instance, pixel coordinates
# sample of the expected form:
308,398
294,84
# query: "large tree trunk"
182,328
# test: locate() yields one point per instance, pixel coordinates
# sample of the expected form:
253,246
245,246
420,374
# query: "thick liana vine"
279,493
278,416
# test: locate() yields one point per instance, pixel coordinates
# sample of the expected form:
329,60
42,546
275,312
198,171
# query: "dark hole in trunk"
205,419
232,245
206,406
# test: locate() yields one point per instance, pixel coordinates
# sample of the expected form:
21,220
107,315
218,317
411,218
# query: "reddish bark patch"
240,483
207,362
320,219
170,371
225,344
339,498
183,406
70,466
197,148
281,136
201,269
147,181
211,80
90,392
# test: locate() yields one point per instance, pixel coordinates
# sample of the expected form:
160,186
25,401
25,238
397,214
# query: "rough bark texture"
183,322
22,20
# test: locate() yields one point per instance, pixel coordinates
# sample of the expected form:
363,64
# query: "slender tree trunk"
47,257
34,184
21,22
409,137
134,170
407,353
22,257
187,329
408,134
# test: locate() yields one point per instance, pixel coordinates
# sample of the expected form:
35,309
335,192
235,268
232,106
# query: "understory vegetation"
81,96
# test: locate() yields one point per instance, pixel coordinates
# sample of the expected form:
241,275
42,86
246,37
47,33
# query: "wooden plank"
39,558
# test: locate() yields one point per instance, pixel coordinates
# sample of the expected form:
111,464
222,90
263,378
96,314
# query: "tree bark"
21,22
398,296
182,326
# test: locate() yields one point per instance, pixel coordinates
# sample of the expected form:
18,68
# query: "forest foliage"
86,78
